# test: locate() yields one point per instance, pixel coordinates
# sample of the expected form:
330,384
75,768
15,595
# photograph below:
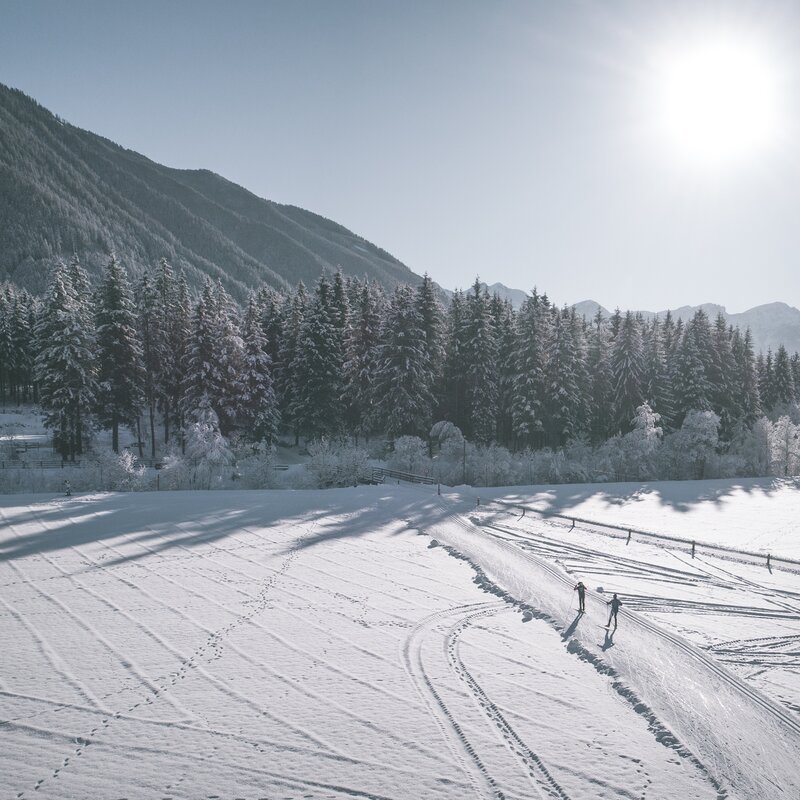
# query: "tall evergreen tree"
531,345
404,380
318,407
563,401
258,408
627,370
600,380
64,366
481,366
119,354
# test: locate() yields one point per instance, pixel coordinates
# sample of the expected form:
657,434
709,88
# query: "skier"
581,590
67,489
615,603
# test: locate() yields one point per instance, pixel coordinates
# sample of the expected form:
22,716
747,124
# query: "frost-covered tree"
318,408
452,397
64,366
404,379
286,378
258,411
230,358
598,365
691,389
782,390
563,404
480,356
361,359
153,341
627,370
785,447
119,354
531,345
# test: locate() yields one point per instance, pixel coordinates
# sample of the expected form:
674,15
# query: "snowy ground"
321,645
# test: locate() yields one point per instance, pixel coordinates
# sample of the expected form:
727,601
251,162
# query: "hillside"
65,190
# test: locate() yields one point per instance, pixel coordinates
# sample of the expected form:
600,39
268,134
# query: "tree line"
348,358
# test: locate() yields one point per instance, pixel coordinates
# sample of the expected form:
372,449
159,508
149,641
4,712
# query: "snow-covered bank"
759,514
288,644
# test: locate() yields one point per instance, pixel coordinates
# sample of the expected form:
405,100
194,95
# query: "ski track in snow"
199,602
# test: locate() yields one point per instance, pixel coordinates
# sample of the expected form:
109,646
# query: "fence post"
628,540
768,557
523,512
693,548
438,488
477,501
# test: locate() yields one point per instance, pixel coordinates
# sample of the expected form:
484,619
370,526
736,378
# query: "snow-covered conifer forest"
471,392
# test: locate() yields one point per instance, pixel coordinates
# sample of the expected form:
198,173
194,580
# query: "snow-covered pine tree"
433,321
691,389
627,370
230,352
766,382
148,318
318,364
119,354
361,358
725,398
598,363
782,380
270,306
287,380
503,320
403,387
64,366
527,409
452,396
258,407
480,357
203,380
746,382
655,380
562,398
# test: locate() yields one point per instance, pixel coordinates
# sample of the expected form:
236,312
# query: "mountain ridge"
64,190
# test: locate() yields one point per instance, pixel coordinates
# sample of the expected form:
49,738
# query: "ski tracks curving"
432,658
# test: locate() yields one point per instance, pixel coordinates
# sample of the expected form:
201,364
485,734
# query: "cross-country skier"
615,603
581,590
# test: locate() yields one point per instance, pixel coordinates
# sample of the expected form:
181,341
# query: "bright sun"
717,101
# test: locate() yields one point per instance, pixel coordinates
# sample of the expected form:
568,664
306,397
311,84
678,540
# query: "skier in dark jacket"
615,603
581,590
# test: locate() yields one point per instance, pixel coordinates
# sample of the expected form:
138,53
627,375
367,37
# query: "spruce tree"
119,354
258,408
480,356
531,344
627,370
403,388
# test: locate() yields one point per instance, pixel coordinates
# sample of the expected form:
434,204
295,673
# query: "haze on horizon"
640,155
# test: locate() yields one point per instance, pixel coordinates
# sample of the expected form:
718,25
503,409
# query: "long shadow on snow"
131,519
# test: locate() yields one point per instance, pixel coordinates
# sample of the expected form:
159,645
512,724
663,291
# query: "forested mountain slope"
65,190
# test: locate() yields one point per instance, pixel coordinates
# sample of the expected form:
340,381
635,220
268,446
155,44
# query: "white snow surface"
321,644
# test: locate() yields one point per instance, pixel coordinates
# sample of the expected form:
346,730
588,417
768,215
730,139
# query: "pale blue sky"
514,140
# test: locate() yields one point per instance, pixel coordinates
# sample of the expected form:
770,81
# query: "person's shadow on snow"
572,626
609,641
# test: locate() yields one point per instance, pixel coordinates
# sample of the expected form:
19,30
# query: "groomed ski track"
313,645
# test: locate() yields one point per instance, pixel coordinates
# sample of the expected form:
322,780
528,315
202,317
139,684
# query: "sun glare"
717,101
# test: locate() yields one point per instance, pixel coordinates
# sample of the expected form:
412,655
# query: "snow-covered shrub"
490,466
448,466
687,453
636,456
208,450
336,463
117,472
255,466
410,454
785,448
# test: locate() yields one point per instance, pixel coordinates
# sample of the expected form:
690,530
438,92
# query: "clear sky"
531,143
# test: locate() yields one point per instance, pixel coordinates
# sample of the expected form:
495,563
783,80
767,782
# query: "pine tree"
721,374
563,402
655,380
691,388
766,381
503,319
318,409
230,353
531,344
783,379
481,362
627,370
600,380
149,320
453,403
119,355
361,359
287,380
258,408
403,388
64,366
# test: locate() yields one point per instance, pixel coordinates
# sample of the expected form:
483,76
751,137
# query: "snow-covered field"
381,642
